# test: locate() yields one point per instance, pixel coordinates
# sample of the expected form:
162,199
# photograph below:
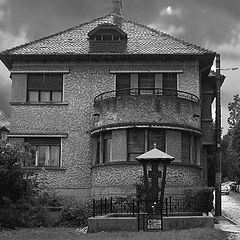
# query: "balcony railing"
146,91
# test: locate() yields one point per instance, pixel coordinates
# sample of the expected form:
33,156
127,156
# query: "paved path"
230,209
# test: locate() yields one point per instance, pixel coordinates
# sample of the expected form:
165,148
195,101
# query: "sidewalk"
228,226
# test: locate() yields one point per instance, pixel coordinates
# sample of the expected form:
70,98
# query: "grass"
74,234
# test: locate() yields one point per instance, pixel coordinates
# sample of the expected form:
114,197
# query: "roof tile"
141,40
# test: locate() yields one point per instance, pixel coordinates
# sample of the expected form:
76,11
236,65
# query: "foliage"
75,213
23,214
203,199
14,182
22,199
234,111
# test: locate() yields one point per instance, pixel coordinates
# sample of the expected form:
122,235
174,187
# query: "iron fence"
133,207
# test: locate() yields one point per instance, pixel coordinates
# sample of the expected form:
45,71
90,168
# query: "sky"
212,24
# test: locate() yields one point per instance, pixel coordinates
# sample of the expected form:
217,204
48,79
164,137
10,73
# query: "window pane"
97,160
156,136
43,155
106,150
45,96
56,96
54,156
136,142
33,96
185,148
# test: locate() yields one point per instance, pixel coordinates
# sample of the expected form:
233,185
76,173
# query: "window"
186,148
4,136
142,140
136,143
156,136
107,142
169,83
190,149
123,82
145,81
104,142
47,152
45,87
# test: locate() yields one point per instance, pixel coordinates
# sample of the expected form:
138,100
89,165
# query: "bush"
203,199
76,213
23,214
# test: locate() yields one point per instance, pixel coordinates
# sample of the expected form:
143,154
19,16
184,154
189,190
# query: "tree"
15,183
234,111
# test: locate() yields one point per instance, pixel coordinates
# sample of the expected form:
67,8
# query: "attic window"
107,32
106,37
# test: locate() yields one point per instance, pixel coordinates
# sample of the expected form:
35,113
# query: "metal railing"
133,207
146,91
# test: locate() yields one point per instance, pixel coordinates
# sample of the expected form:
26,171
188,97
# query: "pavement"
229,226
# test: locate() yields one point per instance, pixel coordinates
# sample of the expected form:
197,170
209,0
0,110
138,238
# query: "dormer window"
107,38
107,32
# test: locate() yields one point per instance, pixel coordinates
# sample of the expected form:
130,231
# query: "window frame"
51,90
39,143
147,146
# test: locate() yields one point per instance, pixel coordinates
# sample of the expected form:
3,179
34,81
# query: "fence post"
93,208
133,207
170,204
101,207
166,203
111,205
138,215
105,206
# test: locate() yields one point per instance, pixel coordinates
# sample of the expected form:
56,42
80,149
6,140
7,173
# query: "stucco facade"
82,118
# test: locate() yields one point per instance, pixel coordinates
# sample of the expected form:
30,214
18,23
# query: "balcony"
147,106
146,91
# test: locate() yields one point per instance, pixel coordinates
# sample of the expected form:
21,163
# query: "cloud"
172,12
8,40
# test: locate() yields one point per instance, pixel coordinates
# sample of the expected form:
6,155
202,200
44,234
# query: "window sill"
38,103
50,168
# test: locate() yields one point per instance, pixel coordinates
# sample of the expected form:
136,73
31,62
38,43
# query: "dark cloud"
205,21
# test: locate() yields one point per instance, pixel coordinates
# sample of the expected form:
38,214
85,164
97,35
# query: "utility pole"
218,164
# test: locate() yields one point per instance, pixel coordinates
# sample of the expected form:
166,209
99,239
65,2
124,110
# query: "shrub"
203,199
75,213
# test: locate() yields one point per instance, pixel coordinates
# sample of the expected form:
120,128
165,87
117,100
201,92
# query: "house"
4,126
94,97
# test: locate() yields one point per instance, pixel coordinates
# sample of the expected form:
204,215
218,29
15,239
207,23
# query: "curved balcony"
147,106
146,91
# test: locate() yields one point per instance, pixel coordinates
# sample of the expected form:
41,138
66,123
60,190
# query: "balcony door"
170,84
123,84
146,81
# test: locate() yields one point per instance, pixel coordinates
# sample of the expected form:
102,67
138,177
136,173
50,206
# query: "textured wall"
110,178
156,109
83,82
19,87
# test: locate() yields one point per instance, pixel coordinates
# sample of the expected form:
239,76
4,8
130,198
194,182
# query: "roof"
4,120
155,154
141,40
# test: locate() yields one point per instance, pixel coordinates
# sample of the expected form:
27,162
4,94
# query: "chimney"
117,7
